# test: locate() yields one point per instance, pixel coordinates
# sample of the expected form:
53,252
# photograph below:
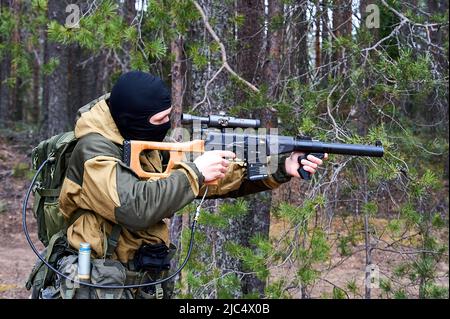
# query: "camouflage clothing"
98,182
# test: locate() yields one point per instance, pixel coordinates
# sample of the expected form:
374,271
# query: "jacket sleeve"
112,189
144,203
234,184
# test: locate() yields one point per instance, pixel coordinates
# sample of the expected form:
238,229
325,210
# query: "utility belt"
151,263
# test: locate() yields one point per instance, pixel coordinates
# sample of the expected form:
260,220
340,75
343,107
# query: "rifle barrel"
278,144
338,148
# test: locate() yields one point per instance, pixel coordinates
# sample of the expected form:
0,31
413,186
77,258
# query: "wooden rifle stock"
132,150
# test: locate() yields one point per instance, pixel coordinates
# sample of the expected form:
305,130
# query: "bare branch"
222,49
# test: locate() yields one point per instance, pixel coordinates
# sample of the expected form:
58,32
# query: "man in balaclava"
135,98
122,217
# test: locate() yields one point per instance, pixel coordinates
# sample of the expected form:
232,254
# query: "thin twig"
225,64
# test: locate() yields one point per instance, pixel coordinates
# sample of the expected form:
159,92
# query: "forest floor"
17,258
343,270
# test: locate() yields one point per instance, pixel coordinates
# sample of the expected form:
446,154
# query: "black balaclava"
135,98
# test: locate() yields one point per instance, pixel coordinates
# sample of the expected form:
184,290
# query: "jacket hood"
97,119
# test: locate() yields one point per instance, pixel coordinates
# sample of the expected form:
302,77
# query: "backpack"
48,184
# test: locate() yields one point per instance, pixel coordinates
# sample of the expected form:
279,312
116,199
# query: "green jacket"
98,182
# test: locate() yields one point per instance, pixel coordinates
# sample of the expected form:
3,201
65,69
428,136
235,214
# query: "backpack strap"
40,272
74,217
113,240
49,192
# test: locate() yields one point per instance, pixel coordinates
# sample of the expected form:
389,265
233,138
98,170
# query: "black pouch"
153,258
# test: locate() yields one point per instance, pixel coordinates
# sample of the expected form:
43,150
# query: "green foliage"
438,221
238,19
213,220
352,287
307,275
276,23
235,210
20,170
411,216
318,251
105,29
388,20
228,286
39,4
255,260
424,267
101,29
7,25
156,49
410,73
400,294
319,247
433,291
184,13
386,286
395,227
276,290
199,58
300,215
370,208
228,212
50,66
138,61
343,246
338,293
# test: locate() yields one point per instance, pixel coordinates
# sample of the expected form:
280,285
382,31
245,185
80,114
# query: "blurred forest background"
336,70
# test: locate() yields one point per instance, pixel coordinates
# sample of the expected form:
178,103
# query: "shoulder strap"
113,240
75,216
49,192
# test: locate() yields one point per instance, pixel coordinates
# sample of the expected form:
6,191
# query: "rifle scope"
220,121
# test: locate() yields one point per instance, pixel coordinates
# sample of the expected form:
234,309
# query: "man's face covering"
135,98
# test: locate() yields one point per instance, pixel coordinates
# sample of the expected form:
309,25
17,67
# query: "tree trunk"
85,78
337,18
301,38
128,12
342,26
367,239
217,100
250,34
272,66
326,55
437,36
15,106
34,114
56,105
258,219
5,73
178,89
318,51
249,67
